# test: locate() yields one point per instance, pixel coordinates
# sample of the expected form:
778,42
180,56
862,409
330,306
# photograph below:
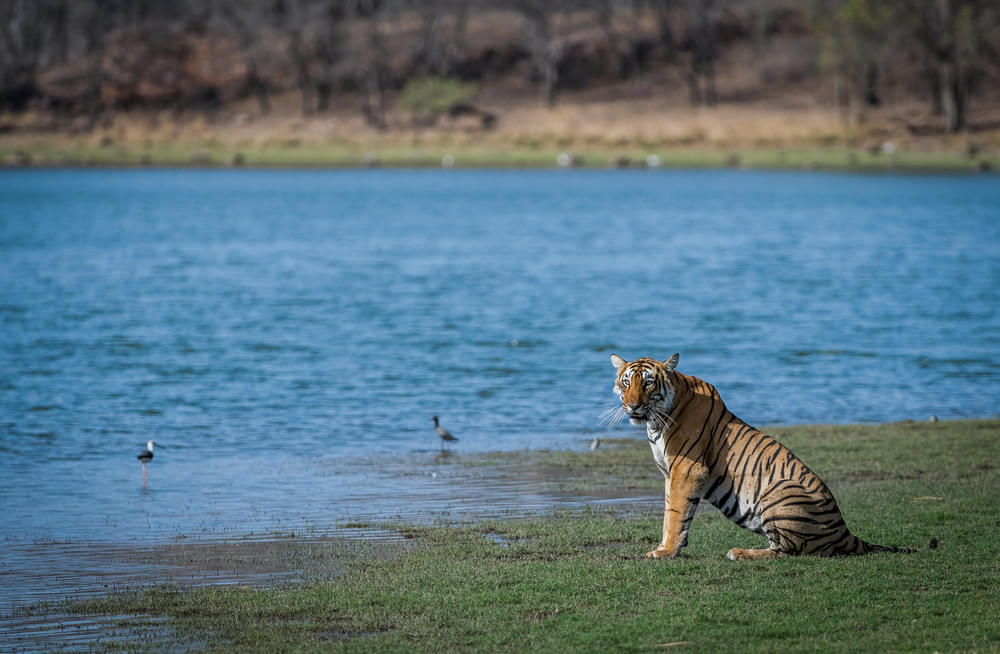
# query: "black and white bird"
145,457
443,433
147,454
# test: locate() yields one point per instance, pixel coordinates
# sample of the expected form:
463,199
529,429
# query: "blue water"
288,333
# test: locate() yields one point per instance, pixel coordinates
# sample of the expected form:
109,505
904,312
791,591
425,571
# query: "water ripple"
257,321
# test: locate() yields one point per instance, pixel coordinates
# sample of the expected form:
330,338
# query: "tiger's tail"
863,547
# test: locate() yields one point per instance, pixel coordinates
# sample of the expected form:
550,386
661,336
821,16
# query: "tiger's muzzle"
638,414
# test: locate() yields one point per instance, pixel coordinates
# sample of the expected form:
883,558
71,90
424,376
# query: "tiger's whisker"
612,417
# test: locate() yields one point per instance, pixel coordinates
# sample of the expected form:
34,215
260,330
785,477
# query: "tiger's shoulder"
695,386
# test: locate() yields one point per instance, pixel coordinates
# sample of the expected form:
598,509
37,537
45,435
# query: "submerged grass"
578,580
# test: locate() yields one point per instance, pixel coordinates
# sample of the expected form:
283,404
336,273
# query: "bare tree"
456,46
98,22
33,34
663,12
240,18
762,12
16,60
443,48
432,51
947,32
623,56
372,62
543,45
702,56
328,50
858,37
291,17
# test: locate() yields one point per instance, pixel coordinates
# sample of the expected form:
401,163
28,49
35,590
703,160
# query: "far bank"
581,133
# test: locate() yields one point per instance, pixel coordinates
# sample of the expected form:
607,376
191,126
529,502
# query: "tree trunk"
871,94
455,49
694,85
59,19
432,53
664,28
702,59
941,35
259,88
623,59
550,74
96,27
952,98
327,52
545,52
759,27
843,92
934,87
711,98
375,103
301,64
95,79
254,82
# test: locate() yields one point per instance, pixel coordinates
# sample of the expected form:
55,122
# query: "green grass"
578,580
480,155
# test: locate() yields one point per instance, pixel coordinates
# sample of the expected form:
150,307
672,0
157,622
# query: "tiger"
706,452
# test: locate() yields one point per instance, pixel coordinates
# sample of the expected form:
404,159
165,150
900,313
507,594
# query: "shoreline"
454,488
848,457
786,159
402,150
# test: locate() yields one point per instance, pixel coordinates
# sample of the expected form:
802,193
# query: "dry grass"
577,120
632,119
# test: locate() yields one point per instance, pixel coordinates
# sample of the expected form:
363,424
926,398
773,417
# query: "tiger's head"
646,389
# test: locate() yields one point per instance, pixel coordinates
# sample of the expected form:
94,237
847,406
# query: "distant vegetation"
86,59
435,95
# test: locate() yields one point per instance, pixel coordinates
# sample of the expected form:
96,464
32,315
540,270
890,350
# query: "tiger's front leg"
677,514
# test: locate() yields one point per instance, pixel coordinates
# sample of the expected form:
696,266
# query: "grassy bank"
618,126
292,153
578,581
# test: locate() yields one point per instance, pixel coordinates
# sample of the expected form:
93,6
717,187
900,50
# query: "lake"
288,335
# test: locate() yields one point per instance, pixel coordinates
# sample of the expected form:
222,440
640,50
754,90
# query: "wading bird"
443,433
145,457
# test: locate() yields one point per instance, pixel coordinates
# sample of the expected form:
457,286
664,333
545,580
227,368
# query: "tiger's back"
706,452
759,484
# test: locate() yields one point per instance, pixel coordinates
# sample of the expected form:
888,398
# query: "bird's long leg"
144,479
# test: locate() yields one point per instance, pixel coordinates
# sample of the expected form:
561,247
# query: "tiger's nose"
633,407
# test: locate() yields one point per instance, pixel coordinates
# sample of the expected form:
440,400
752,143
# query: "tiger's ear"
618,362
671,363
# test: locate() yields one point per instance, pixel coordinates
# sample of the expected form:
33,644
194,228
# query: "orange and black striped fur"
705,452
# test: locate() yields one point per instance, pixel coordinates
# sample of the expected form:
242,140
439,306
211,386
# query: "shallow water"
289,334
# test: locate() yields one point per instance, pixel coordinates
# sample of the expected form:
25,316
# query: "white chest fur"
658,444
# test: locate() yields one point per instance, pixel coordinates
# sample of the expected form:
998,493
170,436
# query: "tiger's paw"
661,553
737,554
